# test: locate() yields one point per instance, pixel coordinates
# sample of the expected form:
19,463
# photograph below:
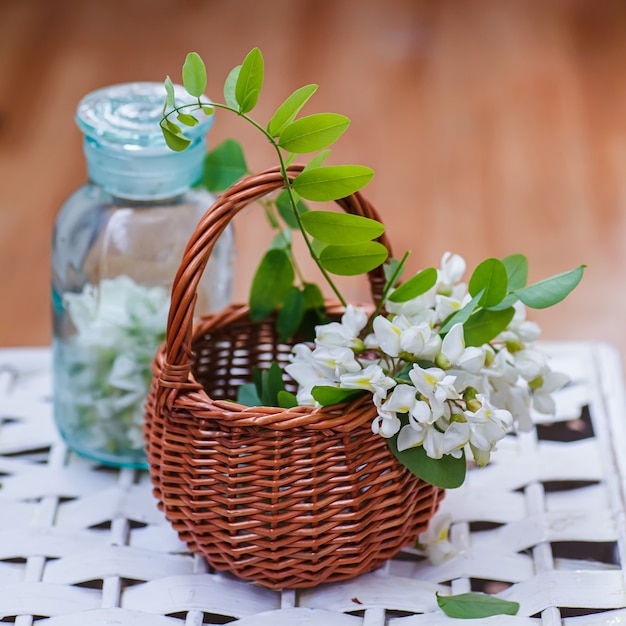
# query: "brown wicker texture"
287,498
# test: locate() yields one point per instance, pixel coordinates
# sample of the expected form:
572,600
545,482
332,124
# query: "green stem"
388,285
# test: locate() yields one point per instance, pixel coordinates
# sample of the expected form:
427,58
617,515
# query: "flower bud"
473,405
358,346
458,417
442,361
514,345
469,393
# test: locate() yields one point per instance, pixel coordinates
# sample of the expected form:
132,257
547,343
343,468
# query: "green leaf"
290,314
248,396
314,311
353,259
282,240
475,606
249,81
288,110
174,140
224,165
313,297
486,324
331,182
491,276
286,400
194,74
173,128
415,286
286,212
341,228
170,99
229,88
272,384
517,270
257,378
327,396
446,472
312,133
186,119
270,284
552,290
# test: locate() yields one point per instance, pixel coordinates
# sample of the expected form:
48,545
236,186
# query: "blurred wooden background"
493,126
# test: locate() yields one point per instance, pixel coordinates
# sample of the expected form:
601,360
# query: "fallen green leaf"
475,606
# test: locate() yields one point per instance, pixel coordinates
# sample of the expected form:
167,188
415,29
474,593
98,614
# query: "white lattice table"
544,525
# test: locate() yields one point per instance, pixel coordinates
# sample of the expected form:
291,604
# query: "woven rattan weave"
283,497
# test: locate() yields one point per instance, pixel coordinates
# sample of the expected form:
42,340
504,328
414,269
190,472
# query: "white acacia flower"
386,423
345,333
436,441
452,270
387,334
520,329
372,378
503,367
515,399
421,341
530,364
403,399
411,436
487,426
403,335
436,386
542,399
435,542
308,373
339,360
456,354
446,306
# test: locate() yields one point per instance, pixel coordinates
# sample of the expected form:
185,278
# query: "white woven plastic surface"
544,525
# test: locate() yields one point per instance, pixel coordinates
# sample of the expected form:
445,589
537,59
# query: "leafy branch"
273,285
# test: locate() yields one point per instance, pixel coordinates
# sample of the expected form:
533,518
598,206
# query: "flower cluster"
104,371
429,388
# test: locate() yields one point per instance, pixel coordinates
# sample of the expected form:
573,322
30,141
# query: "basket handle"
177,365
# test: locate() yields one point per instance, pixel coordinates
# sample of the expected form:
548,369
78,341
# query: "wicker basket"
287,498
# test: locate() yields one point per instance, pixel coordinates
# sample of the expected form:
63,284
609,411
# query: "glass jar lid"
125,149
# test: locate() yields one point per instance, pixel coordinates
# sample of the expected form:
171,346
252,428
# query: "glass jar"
118,242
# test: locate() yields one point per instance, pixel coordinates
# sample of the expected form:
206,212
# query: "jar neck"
144,175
